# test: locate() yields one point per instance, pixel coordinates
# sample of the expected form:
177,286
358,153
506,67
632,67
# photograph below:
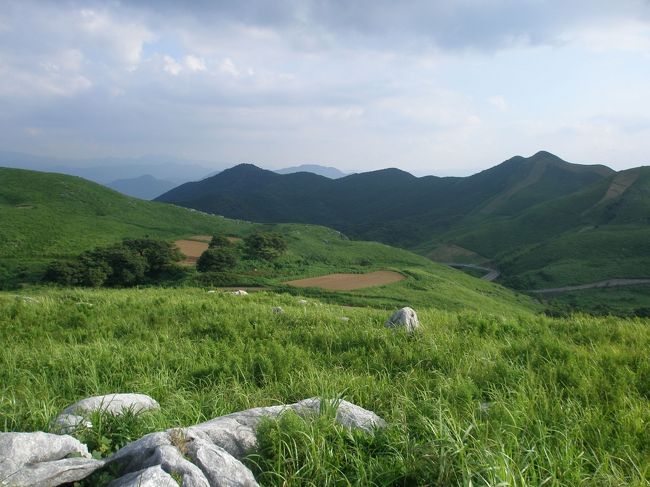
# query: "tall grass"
475,398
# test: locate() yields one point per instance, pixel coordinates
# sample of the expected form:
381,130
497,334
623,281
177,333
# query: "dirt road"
592,285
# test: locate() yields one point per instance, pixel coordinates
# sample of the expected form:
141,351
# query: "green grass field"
475,398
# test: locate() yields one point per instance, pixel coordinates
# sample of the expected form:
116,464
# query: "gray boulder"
235,432
43,459
74,416
148,477
220,467
405,318
115,404
69,423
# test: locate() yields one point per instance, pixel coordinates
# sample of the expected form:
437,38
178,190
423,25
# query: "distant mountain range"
144,187
106,170
326,171
501,215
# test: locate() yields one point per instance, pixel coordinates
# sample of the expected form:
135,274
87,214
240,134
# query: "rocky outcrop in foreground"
203,455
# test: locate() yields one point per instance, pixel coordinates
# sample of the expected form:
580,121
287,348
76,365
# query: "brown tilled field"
192,250
348,282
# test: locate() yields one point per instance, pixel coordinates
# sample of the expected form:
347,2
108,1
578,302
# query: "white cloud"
171,66
194,63
499,102
629,35
228,67
122,38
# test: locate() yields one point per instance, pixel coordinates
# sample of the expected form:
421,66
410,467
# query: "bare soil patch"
192,250
207,238
349,282
620,184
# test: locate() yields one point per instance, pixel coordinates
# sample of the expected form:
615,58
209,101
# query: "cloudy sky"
445,87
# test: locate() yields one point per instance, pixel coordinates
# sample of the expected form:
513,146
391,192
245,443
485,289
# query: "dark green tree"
265,245
160,255
219,241
64,273
217,260
125,267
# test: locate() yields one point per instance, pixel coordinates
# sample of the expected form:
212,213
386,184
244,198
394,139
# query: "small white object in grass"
302,302
211,291
83,303
240,292
277,310
344,318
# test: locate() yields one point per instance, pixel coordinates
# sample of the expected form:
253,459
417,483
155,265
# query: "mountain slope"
145,187
388,205
543,221
45,216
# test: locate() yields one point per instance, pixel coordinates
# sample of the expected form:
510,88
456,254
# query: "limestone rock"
69,423
302,302
43,459
220,467
115,404
277,310
148,477
235,432
405,318
240,292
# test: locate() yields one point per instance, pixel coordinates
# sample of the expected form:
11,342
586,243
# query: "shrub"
219,241
265,245
216,260
160,255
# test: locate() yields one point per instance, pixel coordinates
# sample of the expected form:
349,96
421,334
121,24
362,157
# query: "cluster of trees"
223,256
138,261
134,261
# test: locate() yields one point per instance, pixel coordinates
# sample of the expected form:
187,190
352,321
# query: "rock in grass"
240,292
115,404
148,477
74,417
43,459
69,423
405,318
277,310
302,302
219,467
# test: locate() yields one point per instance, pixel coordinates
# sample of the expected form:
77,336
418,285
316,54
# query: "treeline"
145,261
223,255
131,262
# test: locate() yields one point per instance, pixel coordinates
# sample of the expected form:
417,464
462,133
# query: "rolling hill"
46,216
487,217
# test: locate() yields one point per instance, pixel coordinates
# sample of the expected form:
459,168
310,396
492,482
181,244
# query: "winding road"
490,274
591,285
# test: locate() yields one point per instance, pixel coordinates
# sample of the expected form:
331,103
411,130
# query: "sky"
444,87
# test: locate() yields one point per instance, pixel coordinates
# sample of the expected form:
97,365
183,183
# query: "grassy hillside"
52,215
475,398
45,216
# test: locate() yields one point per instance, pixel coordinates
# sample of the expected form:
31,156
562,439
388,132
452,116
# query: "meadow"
489,397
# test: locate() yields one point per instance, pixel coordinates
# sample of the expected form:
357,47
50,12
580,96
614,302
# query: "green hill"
45,216
389,205
541,220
